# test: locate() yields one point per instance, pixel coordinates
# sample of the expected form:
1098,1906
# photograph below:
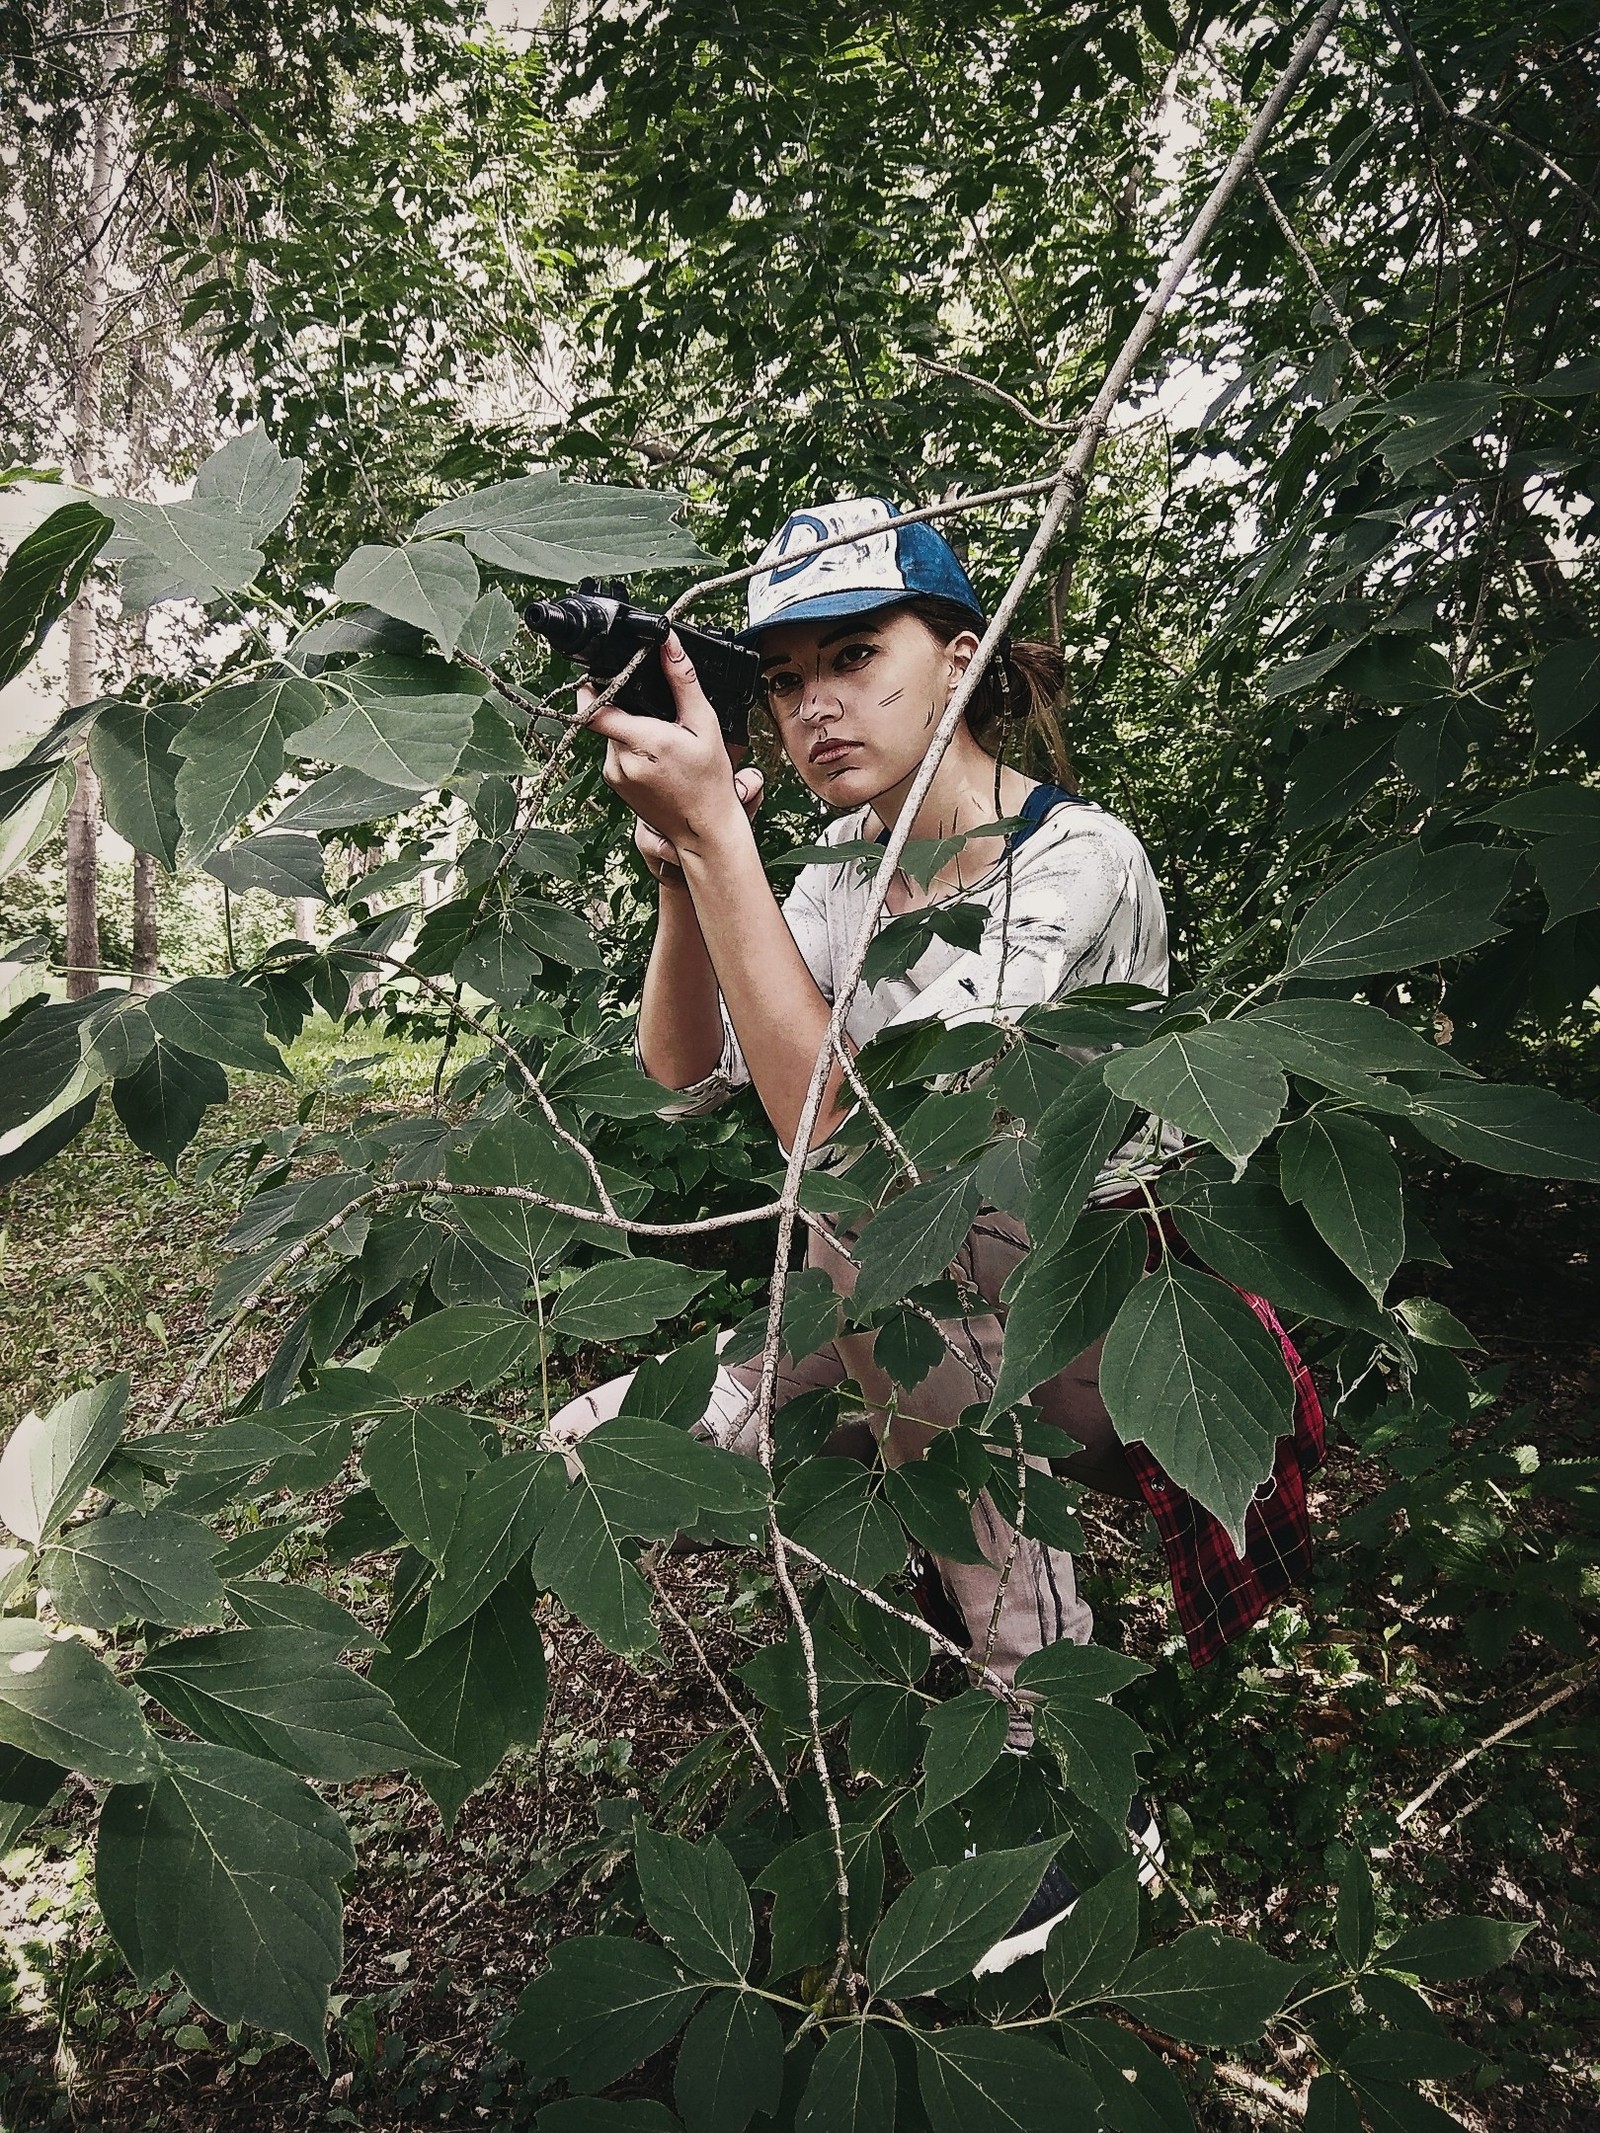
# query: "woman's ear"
959,652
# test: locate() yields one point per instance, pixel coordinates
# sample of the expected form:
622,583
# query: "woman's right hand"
659,853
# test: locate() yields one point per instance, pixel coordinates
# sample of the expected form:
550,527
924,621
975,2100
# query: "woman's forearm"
773,1002
680,1023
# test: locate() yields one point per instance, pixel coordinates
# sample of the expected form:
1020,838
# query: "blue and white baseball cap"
882,565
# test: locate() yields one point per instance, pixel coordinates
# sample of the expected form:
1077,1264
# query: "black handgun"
601,630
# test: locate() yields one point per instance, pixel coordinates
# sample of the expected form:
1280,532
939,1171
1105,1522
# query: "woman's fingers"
750,785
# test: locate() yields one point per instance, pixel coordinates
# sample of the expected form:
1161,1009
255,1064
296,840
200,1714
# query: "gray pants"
1041,1604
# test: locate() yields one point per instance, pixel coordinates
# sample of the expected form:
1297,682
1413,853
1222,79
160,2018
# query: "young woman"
862,645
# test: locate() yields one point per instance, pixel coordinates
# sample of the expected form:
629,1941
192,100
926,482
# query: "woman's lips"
829,752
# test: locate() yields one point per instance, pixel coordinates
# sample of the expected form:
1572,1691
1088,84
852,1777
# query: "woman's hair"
1019,696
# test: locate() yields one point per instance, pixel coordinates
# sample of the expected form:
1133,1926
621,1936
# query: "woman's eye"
855,655
780,687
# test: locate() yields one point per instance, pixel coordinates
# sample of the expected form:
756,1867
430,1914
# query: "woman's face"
855,699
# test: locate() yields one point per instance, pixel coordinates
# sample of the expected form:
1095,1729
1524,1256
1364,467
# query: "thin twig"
1514,1725
1016,1698
716,1681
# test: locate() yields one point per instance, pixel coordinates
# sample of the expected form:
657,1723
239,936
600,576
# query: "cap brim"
826,607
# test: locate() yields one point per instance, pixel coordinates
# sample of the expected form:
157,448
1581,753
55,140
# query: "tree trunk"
305,919
83,817
145,945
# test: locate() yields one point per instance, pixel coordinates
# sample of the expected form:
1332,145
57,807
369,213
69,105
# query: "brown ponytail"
1020,693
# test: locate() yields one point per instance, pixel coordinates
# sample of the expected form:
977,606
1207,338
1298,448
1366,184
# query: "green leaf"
378,721
163,1101
432,584
933,1496
33,804
603,2005
341,799
592,2114
1528,1132
189,550
1340,1170
232,749
830,1507
49,1461
43,1055
503,1509
805,1910
131,749
1565,689
624,1299
1210,1081
1356,1918
150,1566
913,1239
1089,1951
470,1694
522,1152
1059,1304
1190,1371
1331,2107
696,1900
900,945
419,1462
993,2081
250,476
673,1389
1297,674
281,1694
1396,670
966,1735
1076,1134
1095,1744
564,937
491,627
1138,2093
1401,909
286,863
1207,1988
1332,773
264,1603
579,1558
1445,1948
216,1018
499,961
883,1735
851,2086
541,527
1561,810
651,1480
730,2064
1339,1043
60,1703
227,1871
474,1344
936,1929
1568,871
42,579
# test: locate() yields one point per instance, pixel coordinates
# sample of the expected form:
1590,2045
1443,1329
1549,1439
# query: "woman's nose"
818,701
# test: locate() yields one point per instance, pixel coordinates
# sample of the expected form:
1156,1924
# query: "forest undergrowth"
1317,1729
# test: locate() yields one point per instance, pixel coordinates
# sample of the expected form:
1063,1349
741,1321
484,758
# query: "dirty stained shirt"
1073,902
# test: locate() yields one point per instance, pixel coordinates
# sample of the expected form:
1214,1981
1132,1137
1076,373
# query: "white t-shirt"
1082,908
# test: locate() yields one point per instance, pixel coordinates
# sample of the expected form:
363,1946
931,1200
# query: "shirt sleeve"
1084,909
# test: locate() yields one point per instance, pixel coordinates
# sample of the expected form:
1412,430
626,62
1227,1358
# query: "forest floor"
1315,1729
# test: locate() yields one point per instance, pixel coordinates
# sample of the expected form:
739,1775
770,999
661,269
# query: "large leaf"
1138,2091
419,1461
624,1299
1059,1303
982,2080
1190,1371
503,1509
851,2086
1403,908
1443,1948
42,1055
1207,1987
62,1704
1565,689
232,749
281,1694
831,1507
1340,1042
805,1910
1340,1170
1076,1134
190,550
914,1238
966,1735
216,1018
1090,1950
42,578
131,748
1095,1743
49,1461
1249,1234
470,1694
135,1566
286,863
602,2006
33,803
936,1929
227,1871
472,1344
933,1496
431,584
730,2064
579,1557
1212,1082
1531,1133
251,476
695,1898
379,721
542,527
651,1479
521,1151
1568,871
341,799
163,1101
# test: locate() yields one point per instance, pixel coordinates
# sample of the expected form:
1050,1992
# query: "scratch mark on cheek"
893,697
